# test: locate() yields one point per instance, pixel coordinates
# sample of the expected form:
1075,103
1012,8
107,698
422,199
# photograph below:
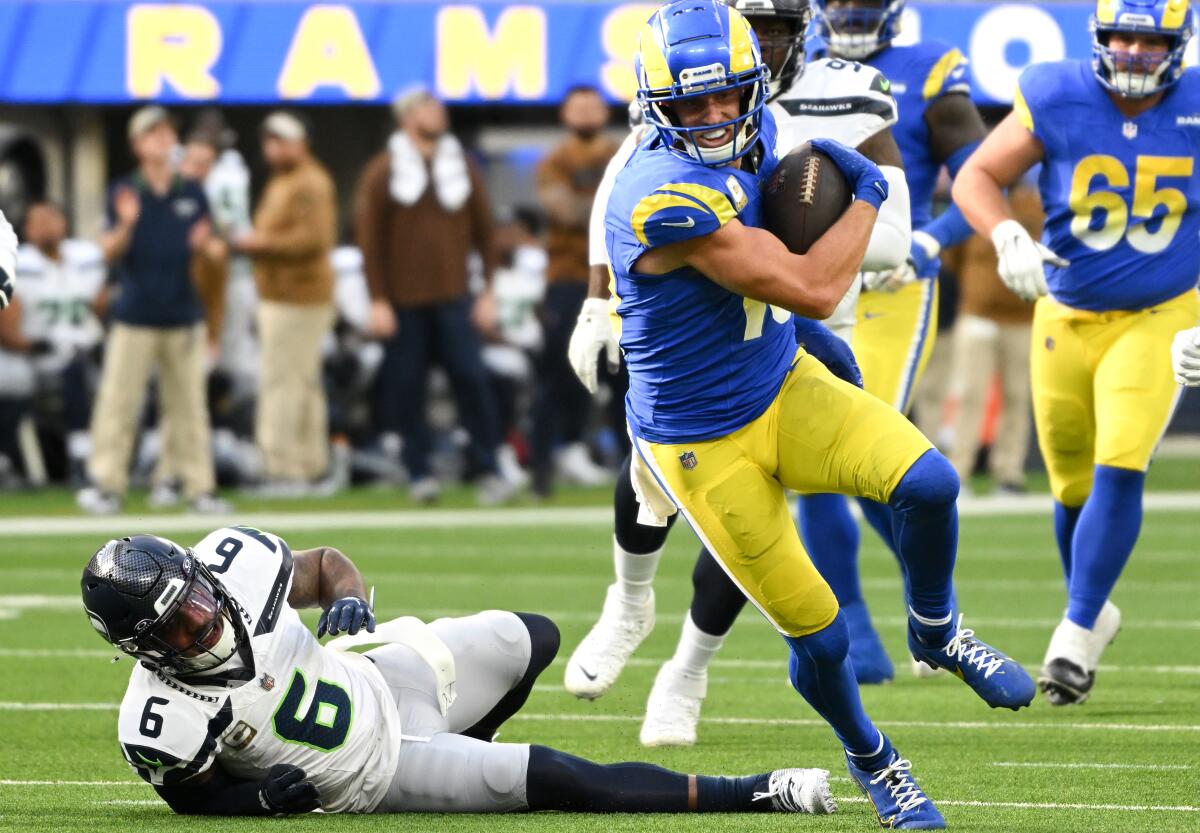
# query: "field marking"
58,707
1048,805
903,724
57,525
12,783
1086,765
136,802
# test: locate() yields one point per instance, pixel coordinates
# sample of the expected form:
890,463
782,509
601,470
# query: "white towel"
410,174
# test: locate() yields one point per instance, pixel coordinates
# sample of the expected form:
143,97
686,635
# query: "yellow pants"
1103,391
291,426
893,337
132,354
819,435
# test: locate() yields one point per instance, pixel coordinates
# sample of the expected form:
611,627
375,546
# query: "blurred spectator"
157,222
53,330
295,229
421,208
990,339
567,180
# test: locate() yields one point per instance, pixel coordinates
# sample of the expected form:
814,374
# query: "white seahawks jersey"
57,297
326,711
833,99
227,187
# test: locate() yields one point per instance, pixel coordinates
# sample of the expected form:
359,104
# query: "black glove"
41,347
347,614
286,790
7,287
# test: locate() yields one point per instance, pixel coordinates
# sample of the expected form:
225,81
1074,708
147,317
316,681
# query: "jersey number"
1108,210
756,313
326,723
151,725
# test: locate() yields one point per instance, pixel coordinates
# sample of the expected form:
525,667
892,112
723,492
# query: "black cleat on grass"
1064,683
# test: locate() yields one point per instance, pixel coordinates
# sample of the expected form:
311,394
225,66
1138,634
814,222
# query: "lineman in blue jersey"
897,313
1118,139
725,412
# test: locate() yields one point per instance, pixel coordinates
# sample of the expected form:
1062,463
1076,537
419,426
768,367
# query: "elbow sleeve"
892,235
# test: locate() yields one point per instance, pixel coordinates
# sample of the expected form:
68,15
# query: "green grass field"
1126,761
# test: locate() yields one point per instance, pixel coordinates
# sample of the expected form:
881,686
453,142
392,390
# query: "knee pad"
929,482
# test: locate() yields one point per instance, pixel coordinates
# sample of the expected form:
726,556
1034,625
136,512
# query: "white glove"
1022,260
8,261
923,250
593,332
1185,357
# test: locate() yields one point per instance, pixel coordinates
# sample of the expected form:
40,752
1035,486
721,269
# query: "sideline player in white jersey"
837,99
8,258
235,708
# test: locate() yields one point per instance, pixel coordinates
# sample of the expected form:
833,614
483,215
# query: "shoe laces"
900,784
965,648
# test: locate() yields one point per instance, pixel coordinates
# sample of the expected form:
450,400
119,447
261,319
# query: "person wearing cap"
157,222
295,229
422,208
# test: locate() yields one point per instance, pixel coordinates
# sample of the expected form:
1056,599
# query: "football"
804,197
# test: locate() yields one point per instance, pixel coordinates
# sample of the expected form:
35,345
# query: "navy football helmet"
783,54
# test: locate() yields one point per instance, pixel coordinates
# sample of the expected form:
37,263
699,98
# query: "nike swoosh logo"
151,762
690,222
881,189
591,677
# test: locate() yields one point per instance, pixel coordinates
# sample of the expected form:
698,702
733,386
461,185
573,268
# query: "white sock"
635,573
696,648
930,623
79,445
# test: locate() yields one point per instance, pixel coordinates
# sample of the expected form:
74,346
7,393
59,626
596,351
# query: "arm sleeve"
313,226
949,228
482,223
892,235
370,222
220,795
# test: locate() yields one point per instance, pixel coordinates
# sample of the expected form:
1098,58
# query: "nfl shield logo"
267,681
688,460
1129,129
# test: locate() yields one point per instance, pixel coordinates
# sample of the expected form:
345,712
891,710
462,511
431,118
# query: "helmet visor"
199,635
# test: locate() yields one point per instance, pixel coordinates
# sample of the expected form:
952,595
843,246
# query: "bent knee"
929,482
544,638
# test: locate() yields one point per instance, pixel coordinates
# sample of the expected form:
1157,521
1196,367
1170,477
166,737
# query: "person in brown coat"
422,208
295,229
567,179
991,338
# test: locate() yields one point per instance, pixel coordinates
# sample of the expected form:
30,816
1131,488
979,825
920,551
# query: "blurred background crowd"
293,300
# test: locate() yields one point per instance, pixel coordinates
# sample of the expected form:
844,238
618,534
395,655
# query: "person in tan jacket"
991,338
295,229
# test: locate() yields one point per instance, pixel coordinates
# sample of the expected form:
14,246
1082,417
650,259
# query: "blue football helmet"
1137,75
691,48
859,31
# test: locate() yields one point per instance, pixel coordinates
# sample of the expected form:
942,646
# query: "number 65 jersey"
1122,196
326,711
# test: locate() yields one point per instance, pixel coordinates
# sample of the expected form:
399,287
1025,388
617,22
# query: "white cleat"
598,660
574,465
800,791
95,501
673,708
923,671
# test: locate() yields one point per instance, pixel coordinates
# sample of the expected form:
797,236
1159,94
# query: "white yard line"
58,707
1085,765
1046,805
11,783
56,525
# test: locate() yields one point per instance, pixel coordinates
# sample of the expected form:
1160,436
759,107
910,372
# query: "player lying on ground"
725,411
235,708
1117,141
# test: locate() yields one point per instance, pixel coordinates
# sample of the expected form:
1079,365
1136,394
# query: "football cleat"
673,709
899,803
872,665
598,660
1069,668
998,679
799,791
924,672
96,501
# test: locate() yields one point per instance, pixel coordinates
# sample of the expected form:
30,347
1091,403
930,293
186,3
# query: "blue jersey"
703,361
1121,195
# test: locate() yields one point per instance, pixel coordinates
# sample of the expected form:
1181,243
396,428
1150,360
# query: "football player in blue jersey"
1117,138
897,313
725,412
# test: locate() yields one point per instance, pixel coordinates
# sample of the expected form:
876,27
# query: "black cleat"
1064,683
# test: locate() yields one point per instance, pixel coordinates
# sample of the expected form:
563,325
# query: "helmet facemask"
783,53
705,81
859,32
1140,74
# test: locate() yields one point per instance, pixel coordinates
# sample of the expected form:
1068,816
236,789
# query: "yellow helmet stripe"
1106,11
654,60
648,206
1024,115
1174,14
742,55
715,201
937,75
